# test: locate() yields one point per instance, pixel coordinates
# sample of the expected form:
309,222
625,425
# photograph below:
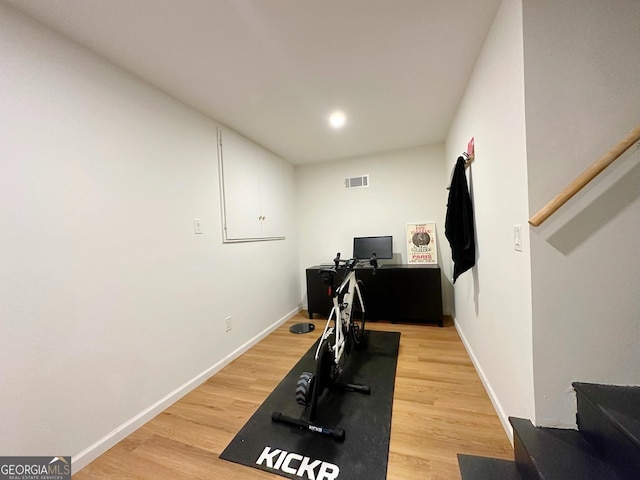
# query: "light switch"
197,225
517,238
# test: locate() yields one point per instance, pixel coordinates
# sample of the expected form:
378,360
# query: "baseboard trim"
89,454
504,419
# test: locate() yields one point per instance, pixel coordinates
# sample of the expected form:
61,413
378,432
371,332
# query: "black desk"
398,293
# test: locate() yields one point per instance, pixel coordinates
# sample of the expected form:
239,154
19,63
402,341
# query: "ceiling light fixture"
337,119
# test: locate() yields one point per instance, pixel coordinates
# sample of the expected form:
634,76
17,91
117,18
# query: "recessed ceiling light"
337,119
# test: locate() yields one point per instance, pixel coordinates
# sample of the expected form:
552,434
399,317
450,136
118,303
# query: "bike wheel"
326,369
357,320
304,388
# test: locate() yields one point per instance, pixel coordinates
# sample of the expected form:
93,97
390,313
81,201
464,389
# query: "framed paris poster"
421,243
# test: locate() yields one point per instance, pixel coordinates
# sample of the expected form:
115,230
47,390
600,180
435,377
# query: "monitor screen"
363,247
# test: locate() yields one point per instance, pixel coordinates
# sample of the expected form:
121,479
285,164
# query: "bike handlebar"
352,262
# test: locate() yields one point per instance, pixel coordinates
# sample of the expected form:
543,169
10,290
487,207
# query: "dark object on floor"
296,453
482,468
302,328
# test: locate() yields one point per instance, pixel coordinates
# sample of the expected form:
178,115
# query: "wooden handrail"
585,177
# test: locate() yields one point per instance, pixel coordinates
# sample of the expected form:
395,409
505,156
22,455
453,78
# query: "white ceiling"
273,70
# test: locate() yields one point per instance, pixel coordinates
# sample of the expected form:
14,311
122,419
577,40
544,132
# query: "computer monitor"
364,247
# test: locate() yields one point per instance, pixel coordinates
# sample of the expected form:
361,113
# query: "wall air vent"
357,182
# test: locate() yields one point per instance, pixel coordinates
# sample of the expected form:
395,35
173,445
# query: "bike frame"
342,316
310,386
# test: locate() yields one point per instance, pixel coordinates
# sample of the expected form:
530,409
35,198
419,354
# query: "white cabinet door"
240,183
251,181
272,182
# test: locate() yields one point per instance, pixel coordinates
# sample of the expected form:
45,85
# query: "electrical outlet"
227,323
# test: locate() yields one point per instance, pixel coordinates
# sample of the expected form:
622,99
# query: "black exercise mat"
365,418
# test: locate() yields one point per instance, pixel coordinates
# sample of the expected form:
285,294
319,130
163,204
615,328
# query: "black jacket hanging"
459,224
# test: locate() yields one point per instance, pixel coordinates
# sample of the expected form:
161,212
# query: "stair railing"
585,177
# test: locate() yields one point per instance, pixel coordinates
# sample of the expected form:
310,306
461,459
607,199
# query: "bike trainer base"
302,454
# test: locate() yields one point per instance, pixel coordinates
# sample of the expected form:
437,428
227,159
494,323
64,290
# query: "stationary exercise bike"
335,345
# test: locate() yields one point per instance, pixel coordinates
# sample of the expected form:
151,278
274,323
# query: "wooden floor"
440,409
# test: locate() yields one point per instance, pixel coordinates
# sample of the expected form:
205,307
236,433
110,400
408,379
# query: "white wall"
582,65
493,300
109,304
405,186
